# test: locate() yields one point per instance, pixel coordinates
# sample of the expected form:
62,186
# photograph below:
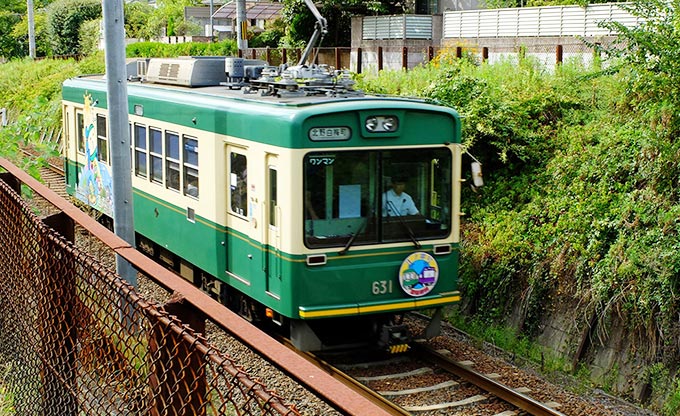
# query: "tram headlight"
371,123
382,124
390,123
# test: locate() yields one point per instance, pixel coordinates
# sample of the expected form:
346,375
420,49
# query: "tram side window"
140,151
102,140
238,183
273,197
80,128
172,160
156,155
190,166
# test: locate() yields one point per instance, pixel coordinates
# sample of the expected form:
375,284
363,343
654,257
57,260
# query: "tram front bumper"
331,311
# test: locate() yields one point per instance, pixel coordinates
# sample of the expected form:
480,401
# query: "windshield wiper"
409,230
353,237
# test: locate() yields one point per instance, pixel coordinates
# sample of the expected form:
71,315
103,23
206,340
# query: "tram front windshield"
379,196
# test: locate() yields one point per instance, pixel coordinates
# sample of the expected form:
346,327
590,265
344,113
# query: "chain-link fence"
76,339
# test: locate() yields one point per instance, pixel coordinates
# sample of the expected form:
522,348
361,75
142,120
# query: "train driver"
396,202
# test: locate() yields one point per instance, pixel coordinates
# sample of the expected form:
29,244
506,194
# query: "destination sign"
320,134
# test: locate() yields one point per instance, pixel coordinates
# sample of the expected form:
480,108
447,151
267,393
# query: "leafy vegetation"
300,21
32,97
150,49
581,198
65,19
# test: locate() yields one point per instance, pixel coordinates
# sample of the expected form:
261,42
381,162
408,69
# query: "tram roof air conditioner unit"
194,71
142,67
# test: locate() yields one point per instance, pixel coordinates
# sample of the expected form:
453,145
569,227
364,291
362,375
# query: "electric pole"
241,25
31,29
119,131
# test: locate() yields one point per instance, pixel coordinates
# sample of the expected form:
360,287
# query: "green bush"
9,46
88,36
581,199
156,49
65,18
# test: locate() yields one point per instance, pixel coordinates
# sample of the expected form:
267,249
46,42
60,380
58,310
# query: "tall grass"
32,97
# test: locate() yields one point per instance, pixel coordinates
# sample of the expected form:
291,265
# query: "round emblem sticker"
418,274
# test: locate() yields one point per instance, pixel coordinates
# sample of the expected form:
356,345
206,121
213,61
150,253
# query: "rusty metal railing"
78,340
75,339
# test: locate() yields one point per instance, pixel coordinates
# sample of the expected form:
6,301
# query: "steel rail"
50,166
372,395
522,401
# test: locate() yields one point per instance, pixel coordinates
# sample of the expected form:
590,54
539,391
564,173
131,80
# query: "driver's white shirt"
398,205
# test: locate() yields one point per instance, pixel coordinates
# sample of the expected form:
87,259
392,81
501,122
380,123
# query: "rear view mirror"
477,179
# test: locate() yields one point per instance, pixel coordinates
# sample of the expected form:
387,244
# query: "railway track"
455,387
51,175
427,381
430,382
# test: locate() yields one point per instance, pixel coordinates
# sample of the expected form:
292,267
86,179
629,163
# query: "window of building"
238,183
141,167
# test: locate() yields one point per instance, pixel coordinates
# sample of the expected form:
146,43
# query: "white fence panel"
469,25
550,21
397,27
488,27
528,22
574,22
507,22
535,21
418,27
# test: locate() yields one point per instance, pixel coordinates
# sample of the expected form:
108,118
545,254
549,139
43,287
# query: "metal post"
119,131
359,52
31,29
241,25
212,31
559,54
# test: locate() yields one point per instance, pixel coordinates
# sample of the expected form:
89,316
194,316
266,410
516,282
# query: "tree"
338,13
65,18
13,6
14,28
651,52
9,47
137,19
42,41
167,19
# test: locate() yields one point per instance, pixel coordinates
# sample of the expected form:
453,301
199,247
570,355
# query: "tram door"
273,231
